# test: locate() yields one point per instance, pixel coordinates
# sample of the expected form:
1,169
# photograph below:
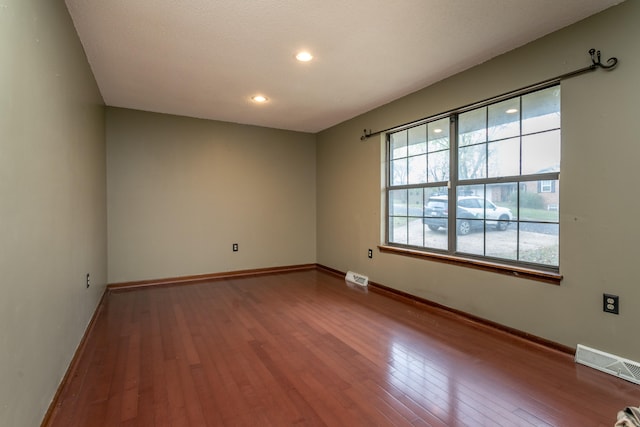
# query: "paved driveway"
538,242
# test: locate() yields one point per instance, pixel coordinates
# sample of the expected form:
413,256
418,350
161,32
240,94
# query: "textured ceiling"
206,58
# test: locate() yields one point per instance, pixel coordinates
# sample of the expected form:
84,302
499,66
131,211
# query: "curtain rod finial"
596,62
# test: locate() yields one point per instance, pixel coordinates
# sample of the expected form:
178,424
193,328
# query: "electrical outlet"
235,247
370,253
88,281
611,303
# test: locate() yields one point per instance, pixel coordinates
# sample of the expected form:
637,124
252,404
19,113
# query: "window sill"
524,273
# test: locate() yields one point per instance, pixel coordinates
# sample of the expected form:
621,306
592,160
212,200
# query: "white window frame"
546,186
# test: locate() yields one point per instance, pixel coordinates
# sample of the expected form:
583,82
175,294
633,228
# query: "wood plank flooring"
302,348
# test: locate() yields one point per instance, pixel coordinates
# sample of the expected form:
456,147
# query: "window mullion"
453,182
388,188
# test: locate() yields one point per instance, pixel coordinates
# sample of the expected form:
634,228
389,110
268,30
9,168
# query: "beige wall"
181,191
52,203
600,234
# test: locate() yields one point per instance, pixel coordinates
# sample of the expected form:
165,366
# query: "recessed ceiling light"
304,56
437,130
259,99
511,111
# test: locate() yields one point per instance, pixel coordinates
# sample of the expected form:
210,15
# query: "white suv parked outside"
470,208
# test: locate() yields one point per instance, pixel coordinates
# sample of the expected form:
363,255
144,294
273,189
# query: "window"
546,187
500,163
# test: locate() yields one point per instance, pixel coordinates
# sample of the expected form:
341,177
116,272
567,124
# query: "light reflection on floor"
457,397
422,380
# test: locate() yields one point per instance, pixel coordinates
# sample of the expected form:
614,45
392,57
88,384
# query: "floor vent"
609,363
356,279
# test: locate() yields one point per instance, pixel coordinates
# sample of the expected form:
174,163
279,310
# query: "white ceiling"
206,58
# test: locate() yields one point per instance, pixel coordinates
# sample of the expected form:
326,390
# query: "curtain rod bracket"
365,134
595,63
596,54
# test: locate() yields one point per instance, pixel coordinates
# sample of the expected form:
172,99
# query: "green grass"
528,214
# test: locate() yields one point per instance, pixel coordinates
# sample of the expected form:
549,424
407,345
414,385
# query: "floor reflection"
424,380
461,389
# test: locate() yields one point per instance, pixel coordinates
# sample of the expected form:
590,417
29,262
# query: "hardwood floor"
302,348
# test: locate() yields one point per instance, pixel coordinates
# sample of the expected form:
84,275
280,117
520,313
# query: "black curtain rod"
595,63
